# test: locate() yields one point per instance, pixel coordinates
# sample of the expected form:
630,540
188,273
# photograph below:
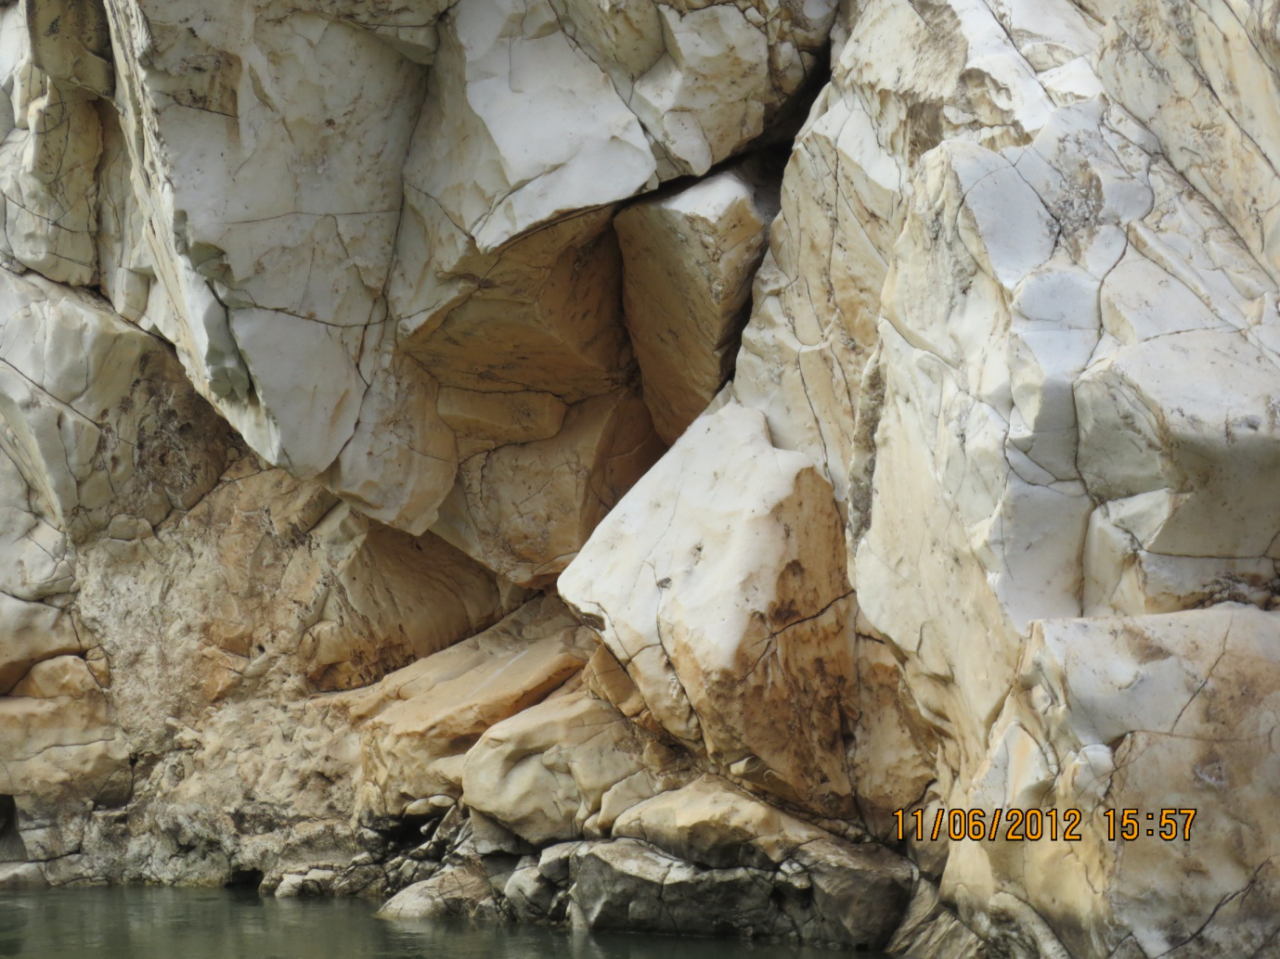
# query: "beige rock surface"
90,403
339,340
1111,711
688,259
418,724
628,884
728,606
566,768
59,740
526,509
713,822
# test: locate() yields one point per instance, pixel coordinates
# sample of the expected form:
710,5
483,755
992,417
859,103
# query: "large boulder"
718,583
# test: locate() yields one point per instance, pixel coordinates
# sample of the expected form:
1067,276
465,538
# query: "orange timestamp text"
1034,825
1012,825
1131,824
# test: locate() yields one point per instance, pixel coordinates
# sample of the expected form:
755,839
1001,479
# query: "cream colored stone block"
89,403
728,606
58,742
525,510
566,768
1208,441
688,260
417,724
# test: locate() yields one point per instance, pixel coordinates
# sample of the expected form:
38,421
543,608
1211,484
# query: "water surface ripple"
152,923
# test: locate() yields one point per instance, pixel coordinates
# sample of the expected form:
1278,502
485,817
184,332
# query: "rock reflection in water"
139,923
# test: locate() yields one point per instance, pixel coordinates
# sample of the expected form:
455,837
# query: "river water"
146,923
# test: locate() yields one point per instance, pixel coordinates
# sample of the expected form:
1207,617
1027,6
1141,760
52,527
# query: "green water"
144,923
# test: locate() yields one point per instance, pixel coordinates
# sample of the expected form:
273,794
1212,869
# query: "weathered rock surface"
628,885
818,890
717,584
419,723
688,259
566,767
443,455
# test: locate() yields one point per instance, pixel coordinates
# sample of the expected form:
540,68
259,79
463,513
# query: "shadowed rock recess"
672,466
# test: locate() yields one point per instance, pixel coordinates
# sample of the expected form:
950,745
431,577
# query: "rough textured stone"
688,259
418,723
339,341
462,891
727,606
626,884
566,768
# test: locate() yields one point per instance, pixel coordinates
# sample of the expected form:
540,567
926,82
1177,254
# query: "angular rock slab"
32,632
1200,447
817,299
457,891
1202,77
90,404
397,598
718,583
525,509
567,768
58,740
418,723
38,559
540,315
688,260
857,901
499,168
714,823
271,256
47,165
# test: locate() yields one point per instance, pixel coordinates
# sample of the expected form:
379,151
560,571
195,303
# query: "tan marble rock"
727,606
1009,370
223,629
528,347
32,632
954,74
1194,459
55,63
38,558
58,739
1171,62
526,509
71,41
540,314
1111,714
399,433
90,403
715,823
417,724
461,891
688,259
401,597
495,168
567,768
273,254
48,159
851,897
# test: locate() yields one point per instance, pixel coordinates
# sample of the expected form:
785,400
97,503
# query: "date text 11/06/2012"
1033,825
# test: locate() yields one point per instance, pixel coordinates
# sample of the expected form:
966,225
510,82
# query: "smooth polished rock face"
616,463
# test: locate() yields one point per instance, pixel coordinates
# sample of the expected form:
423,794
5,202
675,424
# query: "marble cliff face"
596,461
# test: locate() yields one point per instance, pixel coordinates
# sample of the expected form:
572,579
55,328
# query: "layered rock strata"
623,465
